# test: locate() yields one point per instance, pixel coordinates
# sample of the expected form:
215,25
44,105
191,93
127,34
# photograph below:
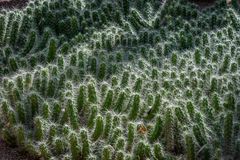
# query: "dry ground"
10,4
8,153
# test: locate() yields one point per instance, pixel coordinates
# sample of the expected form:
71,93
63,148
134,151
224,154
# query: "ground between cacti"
12,153
10,4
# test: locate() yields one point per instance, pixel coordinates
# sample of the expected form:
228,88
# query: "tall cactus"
98,130
52,50
190,148
135,107
228,133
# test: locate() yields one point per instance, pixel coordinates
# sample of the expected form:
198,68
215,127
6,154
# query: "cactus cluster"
121,80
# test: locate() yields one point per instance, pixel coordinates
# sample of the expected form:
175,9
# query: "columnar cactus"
85,144
98,130
39,132
228,133
158,153
92,116
34,104
120,102
20,135
2,29
156,132
45,153
30,42
52,50
74,147
130,136
120,79
59,146
155,108
107,153
190,148
134,107
92,95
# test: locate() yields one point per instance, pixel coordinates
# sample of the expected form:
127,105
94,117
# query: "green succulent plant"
121,80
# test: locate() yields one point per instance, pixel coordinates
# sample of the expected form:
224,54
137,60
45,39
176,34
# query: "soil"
12,4
207,3
203,3
9,153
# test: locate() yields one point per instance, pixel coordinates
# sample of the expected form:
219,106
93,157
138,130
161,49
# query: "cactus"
226,64
155,108
108,125
34,104
39,132
92,95
107,153
30,42
138,85
102,71
20,134
98,130
130,136
21,113
52,49
157,150
85,144
141,151
14,32
74,147
156,132
134,107
56,111
45,153
198,135
51,88
120,144
190,109
59,146
114,137
228,133
119,155
125,78
197,56
168,130
92,116
120,79
120,102
2,29
13,64
72,114
229,102
190,148
46,35
108,100
93,65
81,98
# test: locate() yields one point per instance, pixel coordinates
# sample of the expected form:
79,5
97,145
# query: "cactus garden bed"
121,80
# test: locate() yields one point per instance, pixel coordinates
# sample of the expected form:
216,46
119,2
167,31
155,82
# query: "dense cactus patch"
121,80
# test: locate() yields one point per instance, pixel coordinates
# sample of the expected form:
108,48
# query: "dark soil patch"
12,4
203,3
208,3
9,153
